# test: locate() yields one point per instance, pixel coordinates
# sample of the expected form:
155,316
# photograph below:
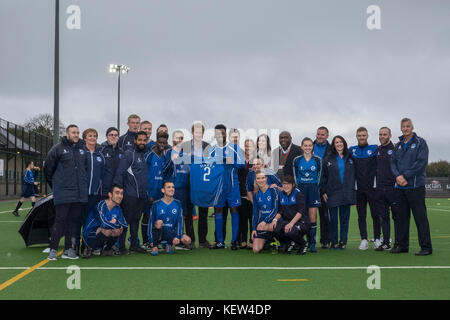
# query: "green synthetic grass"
234,284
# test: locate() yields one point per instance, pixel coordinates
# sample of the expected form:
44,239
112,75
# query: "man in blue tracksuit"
104,225
364,156
112,154
166,221
126,141
408,164
132,177
65,171
230,156
322,149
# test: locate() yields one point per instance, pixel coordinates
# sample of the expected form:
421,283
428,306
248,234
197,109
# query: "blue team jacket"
131,174
100,216
411,161
65,170
96,170
112,158
159,169
265,206
297,170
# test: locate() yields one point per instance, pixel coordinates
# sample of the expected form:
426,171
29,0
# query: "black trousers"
132,210
384,203
245,220
362,198
66,218
296,234
188,222
202,226
86,208
103,242
324,222
408,200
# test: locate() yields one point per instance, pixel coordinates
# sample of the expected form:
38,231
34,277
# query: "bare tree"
43,124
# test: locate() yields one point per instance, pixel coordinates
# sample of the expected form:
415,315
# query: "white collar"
287,150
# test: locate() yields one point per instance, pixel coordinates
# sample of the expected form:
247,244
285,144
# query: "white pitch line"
437,209
9,211
230,268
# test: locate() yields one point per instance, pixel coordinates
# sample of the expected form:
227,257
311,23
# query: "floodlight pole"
118,104
56,78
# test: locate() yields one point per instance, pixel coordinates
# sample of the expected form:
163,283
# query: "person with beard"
131,175
283,157
65,171
384,196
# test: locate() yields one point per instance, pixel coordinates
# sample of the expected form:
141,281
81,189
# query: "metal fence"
17,146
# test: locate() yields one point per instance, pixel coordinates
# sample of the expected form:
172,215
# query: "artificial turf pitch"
204,274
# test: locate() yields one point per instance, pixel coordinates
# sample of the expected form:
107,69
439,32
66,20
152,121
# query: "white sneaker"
364,244
377,243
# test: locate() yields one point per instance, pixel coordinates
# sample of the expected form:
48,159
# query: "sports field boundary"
230,268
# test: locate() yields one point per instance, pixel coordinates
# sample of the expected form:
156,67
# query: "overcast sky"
251,64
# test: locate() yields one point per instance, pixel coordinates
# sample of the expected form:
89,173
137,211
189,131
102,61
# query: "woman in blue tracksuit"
95,172
338,189
307,174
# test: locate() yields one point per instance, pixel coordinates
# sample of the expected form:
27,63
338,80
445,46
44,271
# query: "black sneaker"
87,253
342,245
234,246
138,249
302,250
218,245
325,246
289,247
383,247
16,213
205,244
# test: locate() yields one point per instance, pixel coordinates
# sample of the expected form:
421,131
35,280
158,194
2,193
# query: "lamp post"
119,68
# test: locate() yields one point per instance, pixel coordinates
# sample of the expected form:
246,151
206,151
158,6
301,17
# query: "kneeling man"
166,221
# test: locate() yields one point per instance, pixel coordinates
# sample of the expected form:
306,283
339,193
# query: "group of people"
100,192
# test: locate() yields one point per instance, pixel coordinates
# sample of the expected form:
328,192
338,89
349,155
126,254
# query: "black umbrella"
36,227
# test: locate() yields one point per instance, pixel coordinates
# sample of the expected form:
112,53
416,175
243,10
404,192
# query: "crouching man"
105,224
166,221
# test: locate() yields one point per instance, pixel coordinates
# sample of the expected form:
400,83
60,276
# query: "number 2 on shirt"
208,169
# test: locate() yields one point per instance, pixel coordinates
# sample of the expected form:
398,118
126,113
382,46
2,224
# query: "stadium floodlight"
119,68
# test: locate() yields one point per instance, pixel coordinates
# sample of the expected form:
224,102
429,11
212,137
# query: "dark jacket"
132,173
112,158
65,170
365,159
339,193
385,178
242,175
411,161
277,158
126,141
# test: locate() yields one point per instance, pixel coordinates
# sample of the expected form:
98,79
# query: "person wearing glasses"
112,154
